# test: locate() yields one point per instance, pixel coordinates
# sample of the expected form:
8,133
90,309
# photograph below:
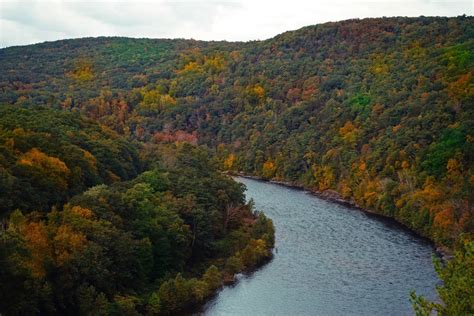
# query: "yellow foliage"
214,63
415,51
52,167
379,67
327,179
200,64
371,189
259,91
430,195
229,162
192,66
167,100
153,100
83,71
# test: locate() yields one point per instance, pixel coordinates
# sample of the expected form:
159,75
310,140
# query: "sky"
34,21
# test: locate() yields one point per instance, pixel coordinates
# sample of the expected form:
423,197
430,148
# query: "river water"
329,260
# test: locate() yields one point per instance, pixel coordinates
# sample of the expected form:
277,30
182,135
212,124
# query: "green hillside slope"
91,227
379,110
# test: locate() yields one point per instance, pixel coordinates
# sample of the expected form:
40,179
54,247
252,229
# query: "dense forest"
94,224
378,111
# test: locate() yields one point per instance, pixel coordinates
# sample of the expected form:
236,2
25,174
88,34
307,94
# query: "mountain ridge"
372,108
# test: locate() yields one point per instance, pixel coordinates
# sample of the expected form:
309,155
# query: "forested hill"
379,110
92,224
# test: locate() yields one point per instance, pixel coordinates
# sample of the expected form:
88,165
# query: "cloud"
30,21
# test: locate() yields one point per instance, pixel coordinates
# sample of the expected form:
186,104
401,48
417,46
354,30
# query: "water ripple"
331,260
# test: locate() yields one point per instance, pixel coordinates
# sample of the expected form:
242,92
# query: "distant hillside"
379,110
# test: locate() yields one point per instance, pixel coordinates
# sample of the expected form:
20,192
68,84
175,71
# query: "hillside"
379,110
93,224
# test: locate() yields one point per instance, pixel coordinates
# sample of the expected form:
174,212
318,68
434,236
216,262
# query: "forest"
93,224
379,111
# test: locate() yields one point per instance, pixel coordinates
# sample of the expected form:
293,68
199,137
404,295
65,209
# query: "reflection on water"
331,260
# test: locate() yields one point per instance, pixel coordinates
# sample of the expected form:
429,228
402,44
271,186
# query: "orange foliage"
90,159
396,128
36,237
310,88
371,189
453,166
345,189
51,167
82,212
35,157
268,169
66,244
377,109
430,194
444,219
293,94
462,88
348,132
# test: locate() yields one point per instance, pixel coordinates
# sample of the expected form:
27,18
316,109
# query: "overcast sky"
27,22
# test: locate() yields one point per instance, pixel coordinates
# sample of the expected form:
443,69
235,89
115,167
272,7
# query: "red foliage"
178,136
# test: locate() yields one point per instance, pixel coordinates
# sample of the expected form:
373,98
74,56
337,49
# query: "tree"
457,290
213,277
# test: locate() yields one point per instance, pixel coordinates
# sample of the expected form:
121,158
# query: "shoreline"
333,196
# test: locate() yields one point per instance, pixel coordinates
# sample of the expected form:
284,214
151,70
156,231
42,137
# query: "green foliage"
459,57
451,141
47,156
213,277
368,108
112,248
457,290
255,253
154,304
234,265
377,110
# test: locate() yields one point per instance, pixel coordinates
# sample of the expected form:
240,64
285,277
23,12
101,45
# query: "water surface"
329,260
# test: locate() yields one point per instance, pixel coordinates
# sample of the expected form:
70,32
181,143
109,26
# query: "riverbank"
333,196
331,259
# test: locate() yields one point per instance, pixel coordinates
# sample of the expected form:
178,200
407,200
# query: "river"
329,260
